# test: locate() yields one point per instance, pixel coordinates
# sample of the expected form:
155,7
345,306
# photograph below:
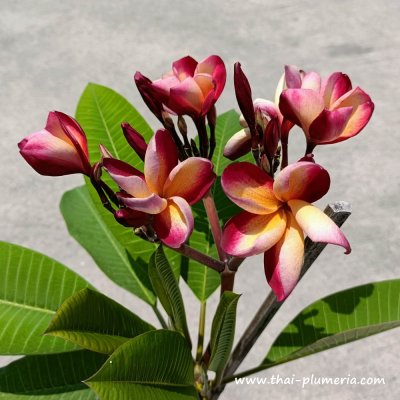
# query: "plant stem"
160,317
212,215
202,258
202,327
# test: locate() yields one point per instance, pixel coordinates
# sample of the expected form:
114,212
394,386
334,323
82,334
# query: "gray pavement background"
50,50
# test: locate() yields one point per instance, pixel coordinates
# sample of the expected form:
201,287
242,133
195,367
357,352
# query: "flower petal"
335,86
238,145
161,157
184,67
49,155
162,87
283,262
131,218
248,234
190,179
362,111
205,83
292,77
152,204
329,125
301,106
317,225
214,66
126,177
186,98
268,107
250,188
302,180
311,80
175,224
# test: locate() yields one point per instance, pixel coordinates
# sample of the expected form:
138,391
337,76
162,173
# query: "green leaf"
90,226
203,281
223,332
54,376
167,289
154,366
95,322
32,287
338,319
100,112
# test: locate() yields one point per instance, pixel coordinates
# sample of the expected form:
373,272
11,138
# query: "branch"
202,258
338,212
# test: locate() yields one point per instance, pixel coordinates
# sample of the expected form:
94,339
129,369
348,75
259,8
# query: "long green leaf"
95,322
54,376
154,366
202,280
32,287
338,319
167,289
101,111
91,228
223,332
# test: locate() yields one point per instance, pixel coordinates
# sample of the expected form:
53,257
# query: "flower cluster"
178,171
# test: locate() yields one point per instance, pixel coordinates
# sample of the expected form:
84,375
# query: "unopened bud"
182,125
135,139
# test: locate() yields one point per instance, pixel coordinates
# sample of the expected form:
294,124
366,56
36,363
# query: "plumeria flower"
276,216
58,149
165,190
192,87
329,110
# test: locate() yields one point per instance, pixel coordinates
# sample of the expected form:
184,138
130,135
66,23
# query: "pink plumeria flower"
192,87
166,189
277,214
58,149
329,110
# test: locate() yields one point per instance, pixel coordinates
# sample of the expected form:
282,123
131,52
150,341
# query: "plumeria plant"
183,204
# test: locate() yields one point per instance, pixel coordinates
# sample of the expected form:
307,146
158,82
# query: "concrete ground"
50,50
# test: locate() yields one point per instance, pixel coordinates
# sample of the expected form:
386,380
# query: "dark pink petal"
301,106
131,218
135,139
248,234
302,180
250,188
271,137
292,77
334,87
161,157
317,225
143,85
175,224
363,108
126,177
184,67
329,125
283,262
105,153
244,96
49,155
190,179
238,145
